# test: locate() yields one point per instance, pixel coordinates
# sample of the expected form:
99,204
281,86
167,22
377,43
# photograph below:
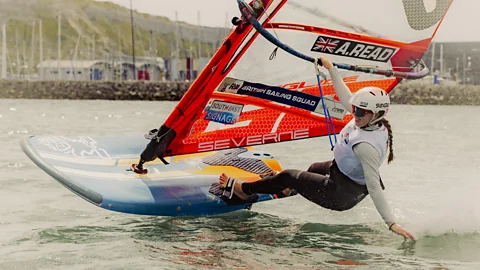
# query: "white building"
146,68
75,70
152,69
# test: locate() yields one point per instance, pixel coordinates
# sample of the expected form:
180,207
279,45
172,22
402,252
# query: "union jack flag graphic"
325,44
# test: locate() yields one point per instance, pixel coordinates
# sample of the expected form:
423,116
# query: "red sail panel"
313,27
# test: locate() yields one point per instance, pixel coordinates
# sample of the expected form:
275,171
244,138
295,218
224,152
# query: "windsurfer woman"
354,173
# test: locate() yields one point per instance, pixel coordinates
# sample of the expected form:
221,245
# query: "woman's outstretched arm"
342,90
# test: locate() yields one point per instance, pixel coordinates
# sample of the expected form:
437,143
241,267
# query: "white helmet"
373,99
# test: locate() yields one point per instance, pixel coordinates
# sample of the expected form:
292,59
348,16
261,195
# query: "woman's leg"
320,167
312,186
272,184
335,191
290,179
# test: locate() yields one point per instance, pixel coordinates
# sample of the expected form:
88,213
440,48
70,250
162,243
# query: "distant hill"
86,20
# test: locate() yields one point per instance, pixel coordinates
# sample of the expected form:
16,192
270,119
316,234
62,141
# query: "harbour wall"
407,93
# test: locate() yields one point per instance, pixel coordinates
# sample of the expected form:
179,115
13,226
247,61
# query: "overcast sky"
461,24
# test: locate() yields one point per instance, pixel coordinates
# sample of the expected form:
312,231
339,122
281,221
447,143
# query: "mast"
133,43
9,64
41,47
457,73
225,35
170,61
105,63
441,60
464,56
32,49
432,66
59,56
19,66
4,51
75,54
71,74
24,55
119,70
152,58
177,52
199,41
94,55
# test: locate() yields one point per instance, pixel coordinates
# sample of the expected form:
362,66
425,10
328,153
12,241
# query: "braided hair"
386,123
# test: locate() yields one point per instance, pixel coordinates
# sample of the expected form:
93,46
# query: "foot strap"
229,188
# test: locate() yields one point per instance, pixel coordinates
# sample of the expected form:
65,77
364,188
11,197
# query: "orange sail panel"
250,93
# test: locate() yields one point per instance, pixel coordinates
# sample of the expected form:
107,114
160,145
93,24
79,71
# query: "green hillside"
105,23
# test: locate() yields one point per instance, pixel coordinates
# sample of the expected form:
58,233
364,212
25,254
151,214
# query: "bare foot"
238,186
223,180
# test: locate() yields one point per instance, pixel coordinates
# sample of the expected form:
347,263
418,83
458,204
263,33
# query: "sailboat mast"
32,50
120,69
441,60
41,47
19,66
433,57
226,26
133,42
4,51
199,41
59,56
177,51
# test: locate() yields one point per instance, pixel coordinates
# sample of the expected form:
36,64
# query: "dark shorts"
323,183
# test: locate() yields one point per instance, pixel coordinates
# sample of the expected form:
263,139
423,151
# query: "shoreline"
405,93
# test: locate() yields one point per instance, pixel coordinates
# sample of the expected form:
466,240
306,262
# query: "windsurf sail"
252,93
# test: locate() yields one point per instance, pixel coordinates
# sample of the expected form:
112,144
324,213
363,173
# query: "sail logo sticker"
279,95
254,140
353,49
224,112
282,96
325,44
230,85
419,18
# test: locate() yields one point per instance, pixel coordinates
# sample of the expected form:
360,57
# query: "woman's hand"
326,63
400,231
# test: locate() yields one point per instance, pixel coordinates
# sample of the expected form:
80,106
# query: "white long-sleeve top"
366,153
